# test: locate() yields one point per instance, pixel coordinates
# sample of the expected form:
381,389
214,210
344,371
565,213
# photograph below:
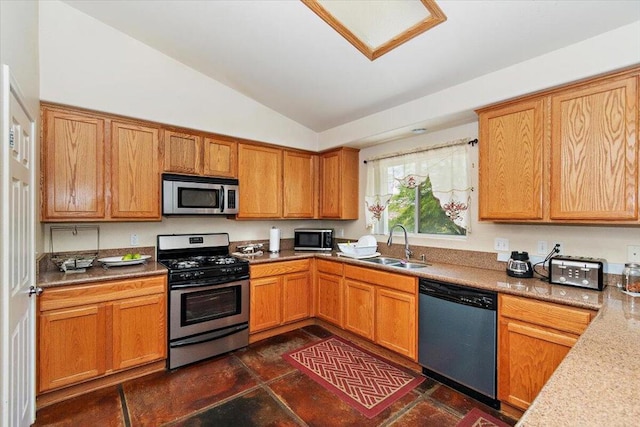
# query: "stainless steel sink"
384,260
395,262
410,265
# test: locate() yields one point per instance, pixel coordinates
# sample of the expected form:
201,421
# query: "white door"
17,253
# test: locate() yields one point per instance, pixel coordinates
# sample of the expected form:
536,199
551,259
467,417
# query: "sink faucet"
407,252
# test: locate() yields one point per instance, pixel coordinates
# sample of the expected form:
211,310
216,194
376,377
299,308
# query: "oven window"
203,306
198,198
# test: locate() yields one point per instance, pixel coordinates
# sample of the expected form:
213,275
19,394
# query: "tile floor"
254,386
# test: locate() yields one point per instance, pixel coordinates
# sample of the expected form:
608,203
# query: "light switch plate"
501,244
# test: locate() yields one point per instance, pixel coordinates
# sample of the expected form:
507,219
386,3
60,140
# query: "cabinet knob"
35,290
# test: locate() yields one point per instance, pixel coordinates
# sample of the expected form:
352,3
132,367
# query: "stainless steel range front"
208,296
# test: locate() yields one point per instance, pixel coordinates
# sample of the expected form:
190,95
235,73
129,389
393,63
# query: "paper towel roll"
274,240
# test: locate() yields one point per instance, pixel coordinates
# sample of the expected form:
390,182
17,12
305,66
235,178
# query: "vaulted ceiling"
282,54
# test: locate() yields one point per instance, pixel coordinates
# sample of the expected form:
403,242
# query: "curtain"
446,166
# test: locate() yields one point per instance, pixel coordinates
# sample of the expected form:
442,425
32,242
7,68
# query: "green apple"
137,256
127,257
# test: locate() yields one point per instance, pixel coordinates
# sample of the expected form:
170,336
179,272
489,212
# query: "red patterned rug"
478,418
364,381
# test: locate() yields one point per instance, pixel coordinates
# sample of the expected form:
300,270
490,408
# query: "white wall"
86,63
19,50
609,51
600,242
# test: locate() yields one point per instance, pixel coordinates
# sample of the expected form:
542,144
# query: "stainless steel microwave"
198,195
313,239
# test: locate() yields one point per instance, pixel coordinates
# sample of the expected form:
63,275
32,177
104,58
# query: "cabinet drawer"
329,267
382,278
563,318
278,268
72,296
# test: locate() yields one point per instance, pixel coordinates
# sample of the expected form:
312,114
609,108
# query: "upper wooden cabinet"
594,151
276,183
135,179
76,184
260,176
512,189
339,174
568,155
220,157
182,153
73,159
299,182
195,154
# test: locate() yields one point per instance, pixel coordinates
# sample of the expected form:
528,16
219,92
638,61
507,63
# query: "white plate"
367,240
359,256
117,261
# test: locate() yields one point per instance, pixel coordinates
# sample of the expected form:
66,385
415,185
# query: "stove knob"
585,282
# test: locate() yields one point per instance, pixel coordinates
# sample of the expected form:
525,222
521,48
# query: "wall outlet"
134,240
560,247
543,249
340,232
633,253
501,244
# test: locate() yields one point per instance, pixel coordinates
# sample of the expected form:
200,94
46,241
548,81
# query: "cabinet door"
139,331
296,297
73,159
71,346
396,322
511,161
266,306
182,153
339,184
330,300
220,158
528,355
359,299
594,157
135,177
260,176
299,183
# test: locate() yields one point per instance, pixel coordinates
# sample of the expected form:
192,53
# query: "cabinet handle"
35,290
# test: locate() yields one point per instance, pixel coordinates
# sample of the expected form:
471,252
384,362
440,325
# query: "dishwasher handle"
459,294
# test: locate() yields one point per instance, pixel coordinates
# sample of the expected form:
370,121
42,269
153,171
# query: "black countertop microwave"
313,239
198,195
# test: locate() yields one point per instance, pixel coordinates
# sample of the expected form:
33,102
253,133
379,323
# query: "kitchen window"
427,190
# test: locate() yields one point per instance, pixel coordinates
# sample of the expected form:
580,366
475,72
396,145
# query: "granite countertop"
50,278
599,380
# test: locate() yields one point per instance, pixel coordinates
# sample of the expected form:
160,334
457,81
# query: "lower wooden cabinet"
396,321
90,331
359,301
533,338
382,307
280,293
330,294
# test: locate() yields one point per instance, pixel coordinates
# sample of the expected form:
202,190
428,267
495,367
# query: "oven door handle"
210,336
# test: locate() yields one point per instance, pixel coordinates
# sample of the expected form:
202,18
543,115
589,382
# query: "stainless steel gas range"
208,296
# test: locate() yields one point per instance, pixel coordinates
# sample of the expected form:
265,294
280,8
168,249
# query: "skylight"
375,27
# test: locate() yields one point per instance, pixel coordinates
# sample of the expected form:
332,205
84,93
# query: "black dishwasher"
457,342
